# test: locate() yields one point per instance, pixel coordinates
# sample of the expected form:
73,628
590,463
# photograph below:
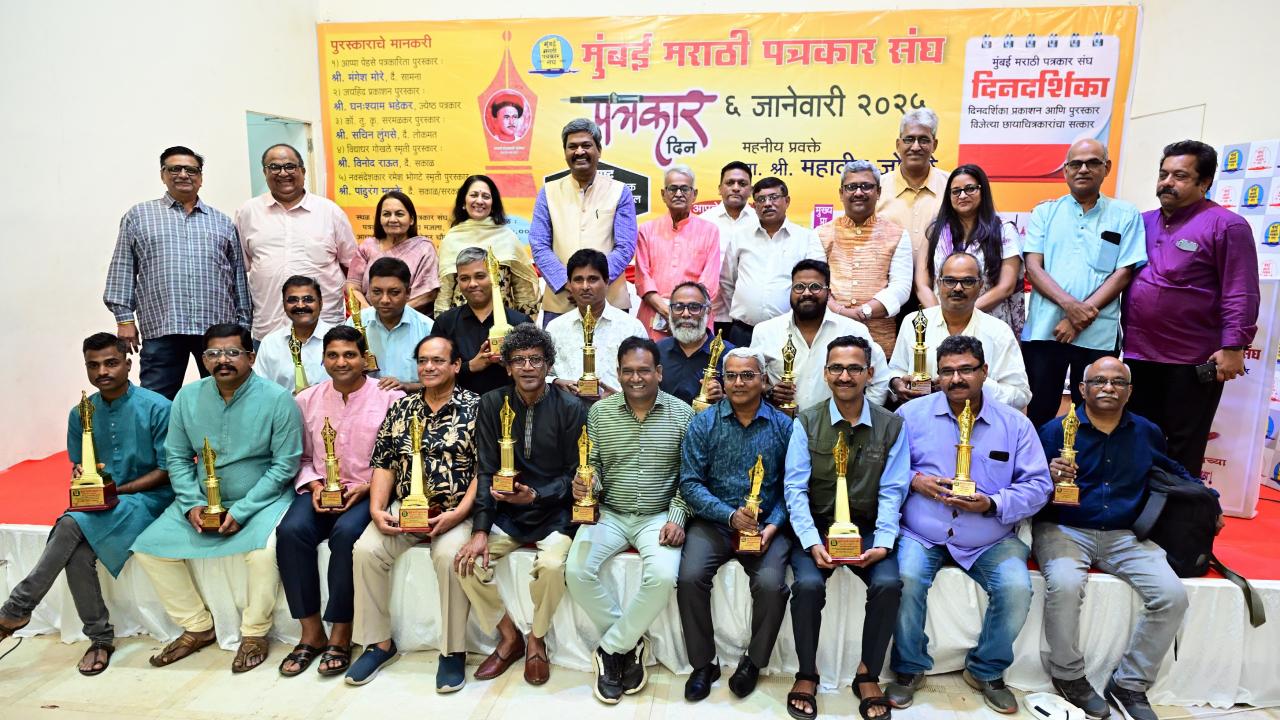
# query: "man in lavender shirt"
1193,309
977,532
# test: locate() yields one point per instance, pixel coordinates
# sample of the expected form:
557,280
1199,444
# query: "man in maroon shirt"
1193,308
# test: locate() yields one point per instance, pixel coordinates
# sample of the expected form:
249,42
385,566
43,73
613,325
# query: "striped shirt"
639,461
179,273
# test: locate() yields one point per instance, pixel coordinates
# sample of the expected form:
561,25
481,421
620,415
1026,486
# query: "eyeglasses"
1099,383
1092,164
855,187
814,288
950,283
921,140
176,170
769,199
228,353
277,168
744,376
533,361
853,370
965,371
679,189
295,299
679,308
966,190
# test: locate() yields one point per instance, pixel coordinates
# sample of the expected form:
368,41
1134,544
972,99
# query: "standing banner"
419,106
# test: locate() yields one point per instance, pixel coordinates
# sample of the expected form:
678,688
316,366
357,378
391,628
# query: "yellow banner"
418,106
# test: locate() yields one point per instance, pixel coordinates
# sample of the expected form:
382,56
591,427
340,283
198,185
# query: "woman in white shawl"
478,221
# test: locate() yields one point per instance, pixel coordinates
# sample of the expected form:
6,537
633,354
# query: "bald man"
1081,252
1115,450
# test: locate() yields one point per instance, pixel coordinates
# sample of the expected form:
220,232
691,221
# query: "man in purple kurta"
1194,303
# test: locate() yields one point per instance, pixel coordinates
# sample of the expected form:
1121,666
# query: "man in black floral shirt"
448,416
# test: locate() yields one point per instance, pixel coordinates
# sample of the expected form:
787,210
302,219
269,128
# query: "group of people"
797,429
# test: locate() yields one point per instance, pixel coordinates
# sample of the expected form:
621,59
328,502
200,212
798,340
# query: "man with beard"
302,303
254,427
674,249
393,328
545,426
1191,312
129,427
877,483
974,531
957,314
1115,450
753,273
684,355
580,211
810,326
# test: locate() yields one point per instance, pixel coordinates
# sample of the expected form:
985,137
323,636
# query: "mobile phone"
1207,372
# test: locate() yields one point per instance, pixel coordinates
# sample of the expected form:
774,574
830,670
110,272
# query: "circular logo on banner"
552,55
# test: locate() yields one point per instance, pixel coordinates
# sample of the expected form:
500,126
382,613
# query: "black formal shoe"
743,681
698,686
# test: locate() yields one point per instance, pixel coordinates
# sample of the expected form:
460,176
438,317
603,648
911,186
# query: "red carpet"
35,493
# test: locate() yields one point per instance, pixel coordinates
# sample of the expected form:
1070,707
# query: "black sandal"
811,698
331,653
301,656
97,645
865,704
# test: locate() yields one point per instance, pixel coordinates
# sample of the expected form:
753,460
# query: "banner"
419,106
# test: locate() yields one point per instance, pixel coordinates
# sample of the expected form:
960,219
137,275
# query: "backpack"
1181,516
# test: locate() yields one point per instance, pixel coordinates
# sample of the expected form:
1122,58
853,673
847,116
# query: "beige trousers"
177,590
546,589
373,557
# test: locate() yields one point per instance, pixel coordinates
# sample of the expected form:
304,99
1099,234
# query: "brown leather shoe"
537,669
496,664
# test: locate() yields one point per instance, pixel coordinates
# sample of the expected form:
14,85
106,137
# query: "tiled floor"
38,680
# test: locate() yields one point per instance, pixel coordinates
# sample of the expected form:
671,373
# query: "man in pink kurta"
673,249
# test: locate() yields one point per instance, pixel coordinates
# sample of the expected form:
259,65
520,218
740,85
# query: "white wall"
92,94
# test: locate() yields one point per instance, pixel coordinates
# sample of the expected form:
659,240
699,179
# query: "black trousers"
1047,363
739,333
297,538
1172,397
707,546
164,362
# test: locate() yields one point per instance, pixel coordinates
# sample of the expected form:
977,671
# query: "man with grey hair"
582,210
911,195
673,249
685,354
870,256
721,448
468,325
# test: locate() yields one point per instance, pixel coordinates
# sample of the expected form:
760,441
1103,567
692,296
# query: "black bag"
1181,516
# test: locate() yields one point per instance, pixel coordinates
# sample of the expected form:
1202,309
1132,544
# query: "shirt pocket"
1104,255
1182,267
996,475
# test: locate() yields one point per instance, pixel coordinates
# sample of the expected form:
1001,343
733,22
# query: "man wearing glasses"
960,283
302,303
289,231
470,323
911,196
684,355
673,249
720,450
1081,252
754,274
176,270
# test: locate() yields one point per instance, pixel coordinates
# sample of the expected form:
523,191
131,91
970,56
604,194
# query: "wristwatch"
866,311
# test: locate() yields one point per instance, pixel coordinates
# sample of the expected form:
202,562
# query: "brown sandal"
9,631
98,646
188,643
252,653
301,656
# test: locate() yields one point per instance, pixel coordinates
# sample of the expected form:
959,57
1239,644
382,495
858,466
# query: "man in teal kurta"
254,427
129,425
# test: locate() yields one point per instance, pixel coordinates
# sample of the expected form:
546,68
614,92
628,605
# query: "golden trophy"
963,485
331,494
1065,490
504,481
586,511
750,542
844,542
788,372
299,373
214,514
920,381
416,510
93,490
500,327
701,403
588,384
353,307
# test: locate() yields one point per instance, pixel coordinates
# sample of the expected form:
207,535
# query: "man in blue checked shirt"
177,269
720,449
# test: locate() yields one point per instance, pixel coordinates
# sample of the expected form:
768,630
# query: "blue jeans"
1001,571
164,362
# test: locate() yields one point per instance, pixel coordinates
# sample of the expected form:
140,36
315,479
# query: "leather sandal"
331,653
252,653
865,704
807,697
496,664
98,646
186,644
301,656
6,632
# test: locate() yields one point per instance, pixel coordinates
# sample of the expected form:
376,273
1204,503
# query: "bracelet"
125,322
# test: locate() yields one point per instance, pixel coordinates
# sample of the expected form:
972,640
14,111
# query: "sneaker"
370,663
451,673
1133,703
1080,693
608,667
902,691
998,697
636,671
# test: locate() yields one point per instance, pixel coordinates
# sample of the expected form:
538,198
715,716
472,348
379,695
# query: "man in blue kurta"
254,427
129,425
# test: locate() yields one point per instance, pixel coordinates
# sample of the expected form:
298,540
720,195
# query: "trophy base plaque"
91,498
417,519
370,362
495,343
588,387
964,488
1066,494
844,549
331,499
920,386
748,544
586,514
700,405
212,521
504,483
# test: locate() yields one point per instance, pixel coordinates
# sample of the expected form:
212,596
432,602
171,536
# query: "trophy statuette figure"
353,308
213,515
416,510
920,381
750,542
299,372
504,481
844,541
701,403
500,327
586,511
963,485
331,493
588,384
1065,490
788,372
93,489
